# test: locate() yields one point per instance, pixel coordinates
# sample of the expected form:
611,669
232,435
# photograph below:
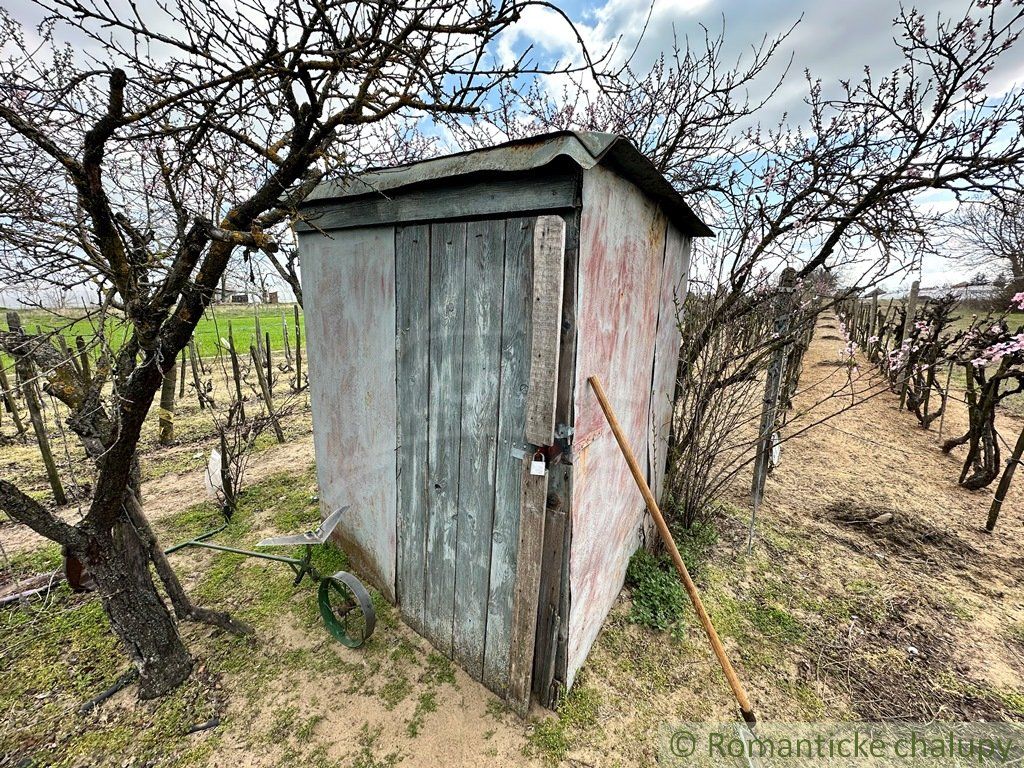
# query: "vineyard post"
945,397
84,366
772,392
166,409
9,403
287,341
1004,482
236,373
270,364
193,359
181,383
265,391
23,367
298,351
904,374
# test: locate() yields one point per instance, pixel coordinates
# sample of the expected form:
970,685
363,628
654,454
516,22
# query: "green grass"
212,327
553,737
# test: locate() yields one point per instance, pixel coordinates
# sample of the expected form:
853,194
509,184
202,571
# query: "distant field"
1014,319
214,324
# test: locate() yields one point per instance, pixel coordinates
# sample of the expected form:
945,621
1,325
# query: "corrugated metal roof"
585,148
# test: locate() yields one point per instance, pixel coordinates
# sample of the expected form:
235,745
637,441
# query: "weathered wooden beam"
553,190
548,277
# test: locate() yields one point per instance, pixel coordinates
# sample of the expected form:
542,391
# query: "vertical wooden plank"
548,271
515,381
412,344
548,266
350,331
481,365
447,316
527,585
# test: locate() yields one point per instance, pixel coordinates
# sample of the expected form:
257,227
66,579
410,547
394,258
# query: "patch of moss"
45,559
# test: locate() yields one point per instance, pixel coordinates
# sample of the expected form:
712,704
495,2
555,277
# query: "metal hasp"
345,605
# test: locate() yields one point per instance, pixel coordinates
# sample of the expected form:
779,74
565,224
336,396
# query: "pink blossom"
1018,300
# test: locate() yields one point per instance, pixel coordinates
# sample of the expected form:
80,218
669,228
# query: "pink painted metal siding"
349,288
620,297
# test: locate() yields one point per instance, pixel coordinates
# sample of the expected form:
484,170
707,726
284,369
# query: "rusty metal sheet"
622,250
666,352
349,289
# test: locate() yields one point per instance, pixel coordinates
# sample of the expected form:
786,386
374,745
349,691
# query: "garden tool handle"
716,645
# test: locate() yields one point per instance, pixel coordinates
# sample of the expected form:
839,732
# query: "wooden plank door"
464,294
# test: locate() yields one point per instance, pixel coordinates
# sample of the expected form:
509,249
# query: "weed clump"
658,596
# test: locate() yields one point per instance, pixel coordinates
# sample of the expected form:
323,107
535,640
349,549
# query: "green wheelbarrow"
344,602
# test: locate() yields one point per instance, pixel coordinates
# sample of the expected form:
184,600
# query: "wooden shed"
454,310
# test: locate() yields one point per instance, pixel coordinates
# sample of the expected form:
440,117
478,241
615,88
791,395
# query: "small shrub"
658,596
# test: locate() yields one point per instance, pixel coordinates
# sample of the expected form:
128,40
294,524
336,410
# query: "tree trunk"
119,564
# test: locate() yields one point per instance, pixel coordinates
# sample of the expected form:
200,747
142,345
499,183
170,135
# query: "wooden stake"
26,371
1004,482
9,403
691,589
265,390
83,360
167,405
287,341
236,374
181,367
270,364
193,358
298,351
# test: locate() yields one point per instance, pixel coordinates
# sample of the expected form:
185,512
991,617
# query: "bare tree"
836,192
138,153
988,233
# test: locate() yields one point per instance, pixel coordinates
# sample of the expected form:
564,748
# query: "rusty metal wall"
619,300
349,290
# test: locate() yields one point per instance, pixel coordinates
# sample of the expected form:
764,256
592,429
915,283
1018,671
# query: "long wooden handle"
716,645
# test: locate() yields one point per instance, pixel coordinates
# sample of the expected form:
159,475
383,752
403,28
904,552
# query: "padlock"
537,466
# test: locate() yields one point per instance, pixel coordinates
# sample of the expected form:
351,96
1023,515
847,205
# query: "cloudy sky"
833,39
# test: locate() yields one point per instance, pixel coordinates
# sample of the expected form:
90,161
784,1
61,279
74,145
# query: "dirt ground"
872,592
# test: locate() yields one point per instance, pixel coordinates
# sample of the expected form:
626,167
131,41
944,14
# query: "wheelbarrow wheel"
346,609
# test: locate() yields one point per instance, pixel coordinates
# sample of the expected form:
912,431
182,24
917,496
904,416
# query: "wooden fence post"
25,369
772,391
1004,482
